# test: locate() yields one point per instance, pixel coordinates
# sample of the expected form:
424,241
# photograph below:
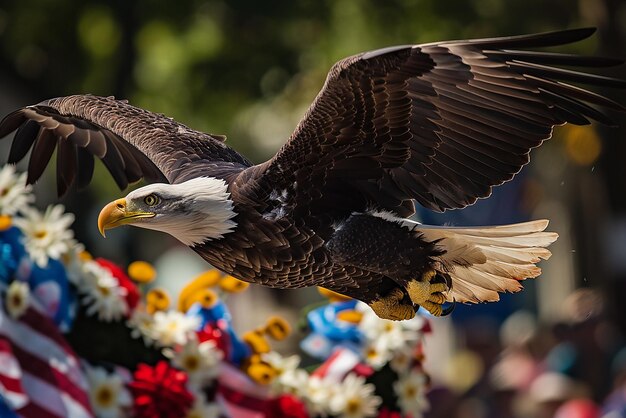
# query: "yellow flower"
206,297
332,295
207,279
582,144
157,300
258,370
232,285
85,256
141,272
277,328
350,315
257,342
5,222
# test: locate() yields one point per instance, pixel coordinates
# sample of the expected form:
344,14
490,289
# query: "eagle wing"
132,143
441,123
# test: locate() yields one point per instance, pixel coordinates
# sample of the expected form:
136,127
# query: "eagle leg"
428,293
393,306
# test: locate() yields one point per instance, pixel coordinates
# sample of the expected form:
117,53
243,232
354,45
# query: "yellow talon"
433,308
437,298
428,275
390,307
438,287
428,295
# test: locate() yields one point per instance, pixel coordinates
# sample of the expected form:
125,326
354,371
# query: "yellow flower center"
16,300
40,234
172,326
410,391
371,353
104,396
353,406
85,256
191,363
105,291
4,192
5,222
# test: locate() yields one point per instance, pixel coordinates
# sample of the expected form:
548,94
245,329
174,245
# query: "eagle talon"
428,275
429,293
437,298
391,307
433,308
449,309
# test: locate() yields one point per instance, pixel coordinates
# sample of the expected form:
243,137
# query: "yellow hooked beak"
116,214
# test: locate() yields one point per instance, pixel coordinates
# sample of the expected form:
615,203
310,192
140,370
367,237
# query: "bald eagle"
438,123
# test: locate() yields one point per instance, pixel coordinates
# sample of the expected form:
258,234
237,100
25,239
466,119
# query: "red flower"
386,413
132,294
215,333
160,392
285,406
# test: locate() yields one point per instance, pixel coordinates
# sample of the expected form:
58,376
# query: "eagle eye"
151,199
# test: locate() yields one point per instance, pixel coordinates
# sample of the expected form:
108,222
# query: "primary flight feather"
439,123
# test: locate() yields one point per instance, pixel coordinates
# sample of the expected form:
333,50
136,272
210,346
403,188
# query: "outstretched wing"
441,123
132,143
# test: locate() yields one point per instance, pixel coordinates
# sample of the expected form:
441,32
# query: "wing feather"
67,158
24,139
483,261
441,123
131,142
42,152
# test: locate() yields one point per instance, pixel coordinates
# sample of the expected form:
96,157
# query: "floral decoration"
146,353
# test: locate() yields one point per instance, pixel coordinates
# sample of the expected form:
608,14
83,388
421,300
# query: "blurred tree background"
250,69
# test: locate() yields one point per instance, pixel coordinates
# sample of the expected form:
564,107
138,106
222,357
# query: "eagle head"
193,212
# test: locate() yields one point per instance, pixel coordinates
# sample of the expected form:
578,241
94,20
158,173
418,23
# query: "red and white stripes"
40,375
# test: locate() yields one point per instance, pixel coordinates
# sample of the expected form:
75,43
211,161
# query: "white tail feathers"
483,261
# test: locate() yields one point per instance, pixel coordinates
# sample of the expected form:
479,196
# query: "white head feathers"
193,212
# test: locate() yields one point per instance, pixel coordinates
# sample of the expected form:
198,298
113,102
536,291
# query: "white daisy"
411,392
317,393
293,381
15,195
200,360
48,235
107,393
17,298
73,261
102,293
388,335
173,327
402,359
285,368
355,398
141,324
376,354
203,409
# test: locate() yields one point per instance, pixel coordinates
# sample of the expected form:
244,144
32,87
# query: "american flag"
338,365
40,375
239,396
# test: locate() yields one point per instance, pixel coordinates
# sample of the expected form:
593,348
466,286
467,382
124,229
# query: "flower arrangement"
82,337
